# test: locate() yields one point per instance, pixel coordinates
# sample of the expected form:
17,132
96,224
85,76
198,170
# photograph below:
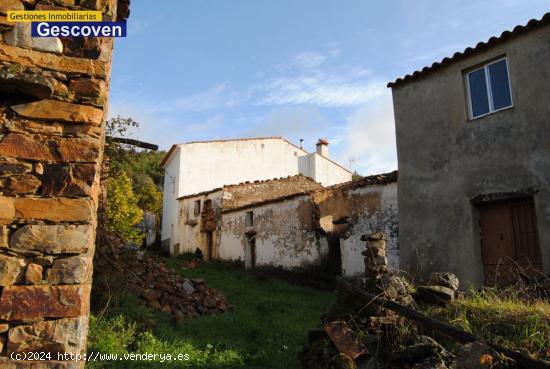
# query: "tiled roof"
376,179
531,25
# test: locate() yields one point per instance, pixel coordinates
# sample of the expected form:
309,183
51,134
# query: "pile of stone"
377,337
158,286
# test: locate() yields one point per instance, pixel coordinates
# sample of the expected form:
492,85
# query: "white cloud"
322,89
370,137
213,98
309,60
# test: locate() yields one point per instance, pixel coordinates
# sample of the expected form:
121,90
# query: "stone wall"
53,95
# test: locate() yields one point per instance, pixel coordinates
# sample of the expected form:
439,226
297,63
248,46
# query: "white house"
200,166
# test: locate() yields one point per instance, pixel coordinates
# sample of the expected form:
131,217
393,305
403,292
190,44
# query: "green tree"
123,212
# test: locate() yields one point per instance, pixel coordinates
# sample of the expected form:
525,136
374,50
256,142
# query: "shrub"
123,212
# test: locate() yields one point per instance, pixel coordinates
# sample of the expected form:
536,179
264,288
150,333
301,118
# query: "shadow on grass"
266,330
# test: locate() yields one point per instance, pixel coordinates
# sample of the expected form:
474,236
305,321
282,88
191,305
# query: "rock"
415,353
78,149
53,239
4,327
23,184
55,209
469,356
6,5
53,62
448,280
90,89
42,301
68,179
60,111
13,168
33,275
188,287
13,80
20,36
25,147
72,270
39,168
4,236
435,294
61,335
2,343
11,269
7,210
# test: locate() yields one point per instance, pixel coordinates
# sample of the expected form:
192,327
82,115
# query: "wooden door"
509,241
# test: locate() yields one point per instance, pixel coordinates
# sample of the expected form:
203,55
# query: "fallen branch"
459,335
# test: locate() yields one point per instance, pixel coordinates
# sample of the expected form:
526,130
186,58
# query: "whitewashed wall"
203,166
285,235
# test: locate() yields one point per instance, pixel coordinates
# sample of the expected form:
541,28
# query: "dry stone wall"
53,95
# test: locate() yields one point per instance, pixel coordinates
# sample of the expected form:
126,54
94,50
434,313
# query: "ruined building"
473,138
291,222
53,96
196,167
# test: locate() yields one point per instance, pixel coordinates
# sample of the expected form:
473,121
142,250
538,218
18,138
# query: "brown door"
509,241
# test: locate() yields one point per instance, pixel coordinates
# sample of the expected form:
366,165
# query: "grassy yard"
266,330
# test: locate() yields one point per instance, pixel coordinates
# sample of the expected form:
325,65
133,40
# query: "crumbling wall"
53,95
284,232
350,210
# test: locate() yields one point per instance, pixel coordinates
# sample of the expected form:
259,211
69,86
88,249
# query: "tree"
123,212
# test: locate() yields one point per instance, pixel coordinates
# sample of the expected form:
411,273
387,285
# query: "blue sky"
210,69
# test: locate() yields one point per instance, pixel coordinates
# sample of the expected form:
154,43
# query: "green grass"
267,329
501,317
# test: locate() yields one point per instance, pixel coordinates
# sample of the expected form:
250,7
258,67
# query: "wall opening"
334,256
250,252
209,245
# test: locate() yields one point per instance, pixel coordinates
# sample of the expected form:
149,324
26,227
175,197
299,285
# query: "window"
489,88
207,205
249,219
197,208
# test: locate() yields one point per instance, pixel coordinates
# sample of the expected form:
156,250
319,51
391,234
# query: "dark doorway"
250,257
334,256
509,241
209,244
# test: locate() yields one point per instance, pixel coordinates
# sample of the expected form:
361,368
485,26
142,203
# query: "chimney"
322,147
301,143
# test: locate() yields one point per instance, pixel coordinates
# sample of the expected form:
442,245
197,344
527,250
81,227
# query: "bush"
123,212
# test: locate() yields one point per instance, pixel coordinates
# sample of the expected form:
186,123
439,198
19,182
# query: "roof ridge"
519,29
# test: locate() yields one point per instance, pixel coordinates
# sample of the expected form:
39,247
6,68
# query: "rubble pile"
363,335
158,286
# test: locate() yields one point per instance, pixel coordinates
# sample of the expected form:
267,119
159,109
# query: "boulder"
42,301
435,295
61,335
60,111
33,275
53,239
71,270
475,356
55,209
20,36
22,184
448,280
14,80
11,269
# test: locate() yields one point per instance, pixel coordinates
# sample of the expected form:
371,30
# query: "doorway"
334,256
250,252
509,241
209,244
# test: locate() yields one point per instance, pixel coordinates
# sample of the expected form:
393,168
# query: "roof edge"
481,46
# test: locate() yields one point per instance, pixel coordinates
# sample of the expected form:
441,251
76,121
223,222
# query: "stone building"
53,99
196,167
347,211
473,138
204,220
291,222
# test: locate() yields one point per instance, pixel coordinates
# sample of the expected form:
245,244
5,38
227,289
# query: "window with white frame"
489,88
